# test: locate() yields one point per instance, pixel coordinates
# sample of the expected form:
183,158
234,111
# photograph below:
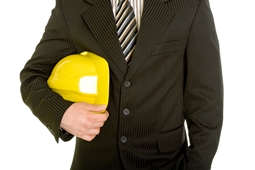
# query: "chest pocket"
167,47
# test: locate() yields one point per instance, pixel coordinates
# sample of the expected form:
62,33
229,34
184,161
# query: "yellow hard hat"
81,77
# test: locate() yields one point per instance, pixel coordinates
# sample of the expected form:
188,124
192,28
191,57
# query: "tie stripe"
126,28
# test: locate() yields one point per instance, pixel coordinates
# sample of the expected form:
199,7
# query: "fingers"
89,134
87,137
80,120
92,118
91,124
94,108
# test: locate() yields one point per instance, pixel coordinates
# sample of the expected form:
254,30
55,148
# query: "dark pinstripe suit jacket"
175,74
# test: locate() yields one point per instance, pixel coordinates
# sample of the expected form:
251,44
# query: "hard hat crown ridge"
81,77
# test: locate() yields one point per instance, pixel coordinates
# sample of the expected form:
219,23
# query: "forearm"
55,44
46,105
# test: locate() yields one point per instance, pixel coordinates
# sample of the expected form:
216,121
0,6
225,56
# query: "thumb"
95,107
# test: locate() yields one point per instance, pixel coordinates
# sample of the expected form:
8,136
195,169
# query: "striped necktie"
126,28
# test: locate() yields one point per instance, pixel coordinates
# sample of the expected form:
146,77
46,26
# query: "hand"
84,120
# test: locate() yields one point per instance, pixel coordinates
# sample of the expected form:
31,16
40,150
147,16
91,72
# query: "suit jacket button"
123,139
127,83
126,112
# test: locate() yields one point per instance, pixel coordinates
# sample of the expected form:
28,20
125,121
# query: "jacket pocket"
167,47
172,140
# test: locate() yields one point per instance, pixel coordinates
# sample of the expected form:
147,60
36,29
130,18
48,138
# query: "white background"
26,144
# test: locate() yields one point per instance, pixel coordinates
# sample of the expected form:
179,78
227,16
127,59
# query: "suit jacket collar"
156,16
93,1
105,32
90,1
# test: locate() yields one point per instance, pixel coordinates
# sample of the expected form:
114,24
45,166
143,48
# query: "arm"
46,105
58,115
203,96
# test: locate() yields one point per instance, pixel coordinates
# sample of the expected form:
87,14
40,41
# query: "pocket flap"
167,47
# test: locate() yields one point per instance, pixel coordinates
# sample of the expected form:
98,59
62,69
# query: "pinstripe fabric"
175,75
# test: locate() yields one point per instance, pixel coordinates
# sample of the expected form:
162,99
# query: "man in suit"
174,74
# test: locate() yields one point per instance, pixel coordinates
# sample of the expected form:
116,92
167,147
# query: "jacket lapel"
156,17
100,20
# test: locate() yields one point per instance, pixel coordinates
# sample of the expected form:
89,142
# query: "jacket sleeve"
45,104
203,91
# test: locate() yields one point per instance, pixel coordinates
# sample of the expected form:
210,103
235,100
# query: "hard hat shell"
81,77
